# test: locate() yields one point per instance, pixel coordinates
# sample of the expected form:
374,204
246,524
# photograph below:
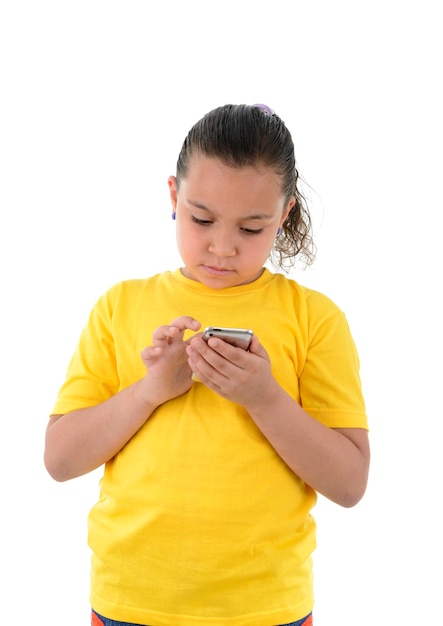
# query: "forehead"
206,173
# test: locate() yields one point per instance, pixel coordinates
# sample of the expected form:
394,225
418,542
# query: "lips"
217,271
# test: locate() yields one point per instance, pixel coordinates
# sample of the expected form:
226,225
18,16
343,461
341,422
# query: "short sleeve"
92,375
330,385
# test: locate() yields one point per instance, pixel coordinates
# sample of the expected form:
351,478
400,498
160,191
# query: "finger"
225,350
217,372
163,334
190,339
255,347
204,372
186,322
214,360
150,352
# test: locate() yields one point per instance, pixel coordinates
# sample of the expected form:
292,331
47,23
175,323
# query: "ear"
172,182
288,208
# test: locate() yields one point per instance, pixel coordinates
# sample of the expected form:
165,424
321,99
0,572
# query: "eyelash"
246,231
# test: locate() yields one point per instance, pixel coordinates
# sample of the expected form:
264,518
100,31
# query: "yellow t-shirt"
199,521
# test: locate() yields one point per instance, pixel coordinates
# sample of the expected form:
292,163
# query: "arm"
334,462
80,441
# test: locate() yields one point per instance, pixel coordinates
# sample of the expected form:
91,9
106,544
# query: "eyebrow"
254,216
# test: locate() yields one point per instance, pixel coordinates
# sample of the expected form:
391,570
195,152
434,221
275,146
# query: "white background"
96,99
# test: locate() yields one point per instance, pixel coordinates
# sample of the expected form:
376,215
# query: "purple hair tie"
265,108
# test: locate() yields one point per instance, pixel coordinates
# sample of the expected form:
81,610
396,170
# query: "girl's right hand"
168,373
82,440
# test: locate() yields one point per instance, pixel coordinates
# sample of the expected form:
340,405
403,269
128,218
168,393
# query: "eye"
200,222
251,231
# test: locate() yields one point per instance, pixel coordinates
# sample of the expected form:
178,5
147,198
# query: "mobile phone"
239,337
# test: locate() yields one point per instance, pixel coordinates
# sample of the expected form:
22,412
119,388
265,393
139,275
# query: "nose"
222,243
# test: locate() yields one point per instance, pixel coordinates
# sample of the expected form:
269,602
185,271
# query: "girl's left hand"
240,376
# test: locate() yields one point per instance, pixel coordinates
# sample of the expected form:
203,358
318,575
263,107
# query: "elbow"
351,498
54,457
55,469
346,494
355,483
355,491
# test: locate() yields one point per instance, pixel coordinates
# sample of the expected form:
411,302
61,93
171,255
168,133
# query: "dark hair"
242,135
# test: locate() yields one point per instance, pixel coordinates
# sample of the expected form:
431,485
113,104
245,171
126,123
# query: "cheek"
257,252
187,241
264,242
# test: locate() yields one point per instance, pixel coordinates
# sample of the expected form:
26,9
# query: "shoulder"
127,290
320,305
319,318
316,303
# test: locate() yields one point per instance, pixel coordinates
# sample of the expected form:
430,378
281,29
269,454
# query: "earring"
173,215
278,231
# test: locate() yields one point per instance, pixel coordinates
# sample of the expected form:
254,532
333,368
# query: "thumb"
255,347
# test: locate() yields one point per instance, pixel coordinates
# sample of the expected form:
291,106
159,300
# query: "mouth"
217,271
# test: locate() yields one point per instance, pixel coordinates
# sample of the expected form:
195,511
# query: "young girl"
213,454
